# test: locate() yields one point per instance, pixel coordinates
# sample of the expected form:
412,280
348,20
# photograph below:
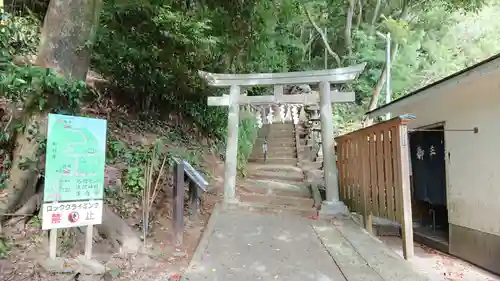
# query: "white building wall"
472,160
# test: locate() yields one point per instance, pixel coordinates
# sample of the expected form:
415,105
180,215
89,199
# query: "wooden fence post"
178,210
365,191
406,220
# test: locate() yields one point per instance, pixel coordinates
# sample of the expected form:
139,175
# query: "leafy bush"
246,137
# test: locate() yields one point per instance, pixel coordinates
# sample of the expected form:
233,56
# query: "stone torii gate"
325,98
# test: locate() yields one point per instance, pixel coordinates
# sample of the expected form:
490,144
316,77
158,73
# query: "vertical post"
330,169
407,223
326,52
232,144
310,45
278,97
278,93
193,197
388,94
53,244
365,183
89,237
178,211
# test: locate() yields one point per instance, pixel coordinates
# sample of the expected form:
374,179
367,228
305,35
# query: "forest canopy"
151,50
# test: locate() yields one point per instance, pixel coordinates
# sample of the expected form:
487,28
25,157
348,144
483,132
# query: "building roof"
423,89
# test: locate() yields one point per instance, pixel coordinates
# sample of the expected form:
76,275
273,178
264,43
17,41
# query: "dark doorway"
427,150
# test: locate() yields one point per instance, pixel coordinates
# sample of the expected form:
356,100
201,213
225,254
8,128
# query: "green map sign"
76,154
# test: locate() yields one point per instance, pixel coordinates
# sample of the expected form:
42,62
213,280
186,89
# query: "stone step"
278,125
279,175
277,201
256,207
288,135
280,128
277,129
269,167
281,145
302,142
276,145
283,161
275,140
269,187
285,149
275,153
313,165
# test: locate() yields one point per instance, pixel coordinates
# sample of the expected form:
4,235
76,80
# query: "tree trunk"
359,17
376,12
23,174
68,32
348,27
30,207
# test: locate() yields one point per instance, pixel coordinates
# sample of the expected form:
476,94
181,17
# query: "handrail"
182,171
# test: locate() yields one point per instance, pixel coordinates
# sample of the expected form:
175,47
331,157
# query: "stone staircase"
278,184
281,146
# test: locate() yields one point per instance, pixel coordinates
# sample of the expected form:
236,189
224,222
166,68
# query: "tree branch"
376,12
308,45
323,36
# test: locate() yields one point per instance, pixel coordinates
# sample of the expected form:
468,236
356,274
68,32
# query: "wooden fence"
374,177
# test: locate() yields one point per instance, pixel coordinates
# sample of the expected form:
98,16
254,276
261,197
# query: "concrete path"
244,246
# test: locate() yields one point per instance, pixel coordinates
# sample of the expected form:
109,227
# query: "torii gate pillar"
329,167
332,205
231,163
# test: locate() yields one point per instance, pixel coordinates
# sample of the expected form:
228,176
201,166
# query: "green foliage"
36,222
161,45
19,36
434,43
136,158
41,89
246,137
134,180
5,247
160,52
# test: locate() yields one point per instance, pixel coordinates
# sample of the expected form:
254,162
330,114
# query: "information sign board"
74,171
